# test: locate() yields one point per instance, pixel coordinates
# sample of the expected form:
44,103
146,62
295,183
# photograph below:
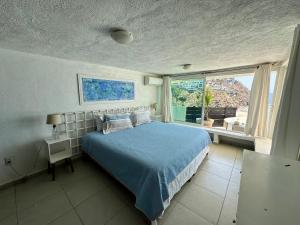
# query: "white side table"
59,149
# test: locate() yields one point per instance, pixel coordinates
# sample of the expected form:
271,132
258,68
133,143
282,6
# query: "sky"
247,81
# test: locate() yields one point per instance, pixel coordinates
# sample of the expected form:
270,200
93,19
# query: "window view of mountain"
228,92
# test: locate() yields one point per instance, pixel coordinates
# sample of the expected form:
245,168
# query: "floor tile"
35,189
128,216
82,169
100,199
216,168
45,210
224,154
238,164
167,212
233,188
202,202
211,182
181,215
70,218
99,208
235,176
81,189
228,214
238,160
7,203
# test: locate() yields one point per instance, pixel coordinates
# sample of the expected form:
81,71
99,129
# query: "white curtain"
258,105
276,98
286,137
167,100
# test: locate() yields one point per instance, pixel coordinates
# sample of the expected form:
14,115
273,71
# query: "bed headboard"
76,124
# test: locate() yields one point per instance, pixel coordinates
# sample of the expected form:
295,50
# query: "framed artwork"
95,89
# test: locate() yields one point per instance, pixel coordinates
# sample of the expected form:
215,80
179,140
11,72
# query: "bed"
152,160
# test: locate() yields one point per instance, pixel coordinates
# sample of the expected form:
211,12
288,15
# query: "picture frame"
93,89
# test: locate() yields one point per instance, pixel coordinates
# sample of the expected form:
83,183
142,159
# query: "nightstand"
59,149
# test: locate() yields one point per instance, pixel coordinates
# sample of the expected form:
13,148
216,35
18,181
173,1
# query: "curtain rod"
205,72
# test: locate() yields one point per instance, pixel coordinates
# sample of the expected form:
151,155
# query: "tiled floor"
91,197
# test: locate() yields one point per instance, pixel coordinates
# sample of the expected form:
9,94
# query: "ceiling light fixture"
186,66
122,36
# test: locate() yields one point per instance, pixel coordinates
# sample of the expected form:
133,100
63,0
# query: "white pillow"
140,117
116,125
99,122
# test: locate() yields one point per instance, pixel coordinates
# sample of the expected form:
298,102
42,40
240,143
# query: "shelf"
51,140
60,155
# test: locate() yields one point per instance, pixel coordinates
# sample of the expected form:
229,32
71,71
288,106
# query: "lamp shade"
54,119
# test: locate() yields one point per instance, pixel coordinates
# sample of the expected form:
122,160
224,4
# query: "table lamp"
54,119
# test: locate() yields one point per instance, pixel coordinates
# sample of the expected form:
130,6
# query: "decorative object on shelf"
54,119
207,101
94,89
121,36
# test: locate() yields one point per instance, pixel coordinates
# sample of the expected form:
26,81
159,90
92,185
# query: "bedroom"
225,72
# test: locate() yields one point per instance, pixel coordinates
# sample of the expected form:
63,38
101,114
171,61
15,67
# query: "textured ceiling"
209,34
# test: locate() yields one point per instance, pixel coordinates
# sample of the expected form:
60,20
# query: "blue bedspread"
147,158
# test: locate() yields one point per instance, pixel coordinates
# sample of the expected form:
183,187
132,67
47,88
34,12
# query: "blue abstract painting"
107,90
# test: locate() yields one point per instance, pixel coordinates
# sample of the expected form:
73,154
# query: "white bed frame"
76,124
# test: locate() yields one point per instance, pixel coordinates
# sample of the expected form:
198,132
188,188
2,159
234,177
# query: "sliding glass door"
187,100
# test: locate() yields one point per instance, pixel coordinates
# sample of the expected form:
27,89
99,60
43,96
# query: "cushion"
99,122
108,117
116,122
110,126
140,117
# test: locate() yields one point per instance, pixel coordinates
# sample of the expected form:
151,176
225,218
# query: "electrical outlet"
7,161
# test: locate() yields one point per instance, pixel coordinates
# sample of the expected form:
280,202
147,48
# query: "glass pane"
230,99
187,100
272,86
271,94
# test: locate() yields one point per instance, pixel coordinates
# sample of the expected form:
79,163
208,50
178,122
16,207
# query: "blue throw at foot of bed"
147,158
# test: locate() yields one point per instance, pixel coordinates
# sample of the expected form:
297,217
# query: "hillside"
228,92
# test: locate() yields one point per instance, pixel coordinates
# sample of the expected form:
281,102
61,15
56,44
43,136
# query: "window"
271,94
229,105
187,100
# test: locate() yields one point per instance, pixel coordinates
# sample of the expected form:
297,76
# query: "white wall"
31,86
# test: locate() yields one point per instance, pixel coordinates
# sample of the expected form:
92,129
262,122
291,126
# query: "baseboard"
31,175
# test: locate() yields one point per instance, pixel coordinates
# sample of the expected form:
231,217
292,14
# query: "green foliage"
182,97
208,98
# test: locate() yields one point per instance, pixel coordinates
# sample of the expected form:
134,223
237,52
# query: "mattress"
147,159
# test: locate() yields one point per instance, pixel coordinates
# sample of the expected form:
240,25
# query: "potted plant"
207,101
